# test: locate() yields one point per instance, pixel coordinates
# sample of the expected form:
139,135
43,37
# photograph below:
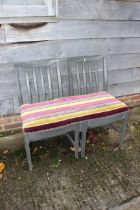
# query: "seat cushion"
67,110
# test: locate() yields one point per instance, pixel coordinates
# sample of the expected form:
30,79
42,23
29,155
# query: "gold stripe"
38,105
65,105
71,115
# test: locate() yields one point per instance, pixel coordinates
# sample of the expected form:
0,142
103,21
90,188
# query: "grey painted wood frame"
77,67
64,130
75,78
42,81
122,117
87,74
51,79
30,73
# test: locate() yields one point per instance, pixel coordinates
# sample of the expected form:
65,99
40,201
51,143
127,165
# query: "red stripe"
57,110
64,99
78,119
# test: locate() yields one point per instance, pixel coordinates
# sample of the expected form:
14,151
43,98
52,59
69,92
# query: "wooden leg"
123,130
83,141
76,143
28,152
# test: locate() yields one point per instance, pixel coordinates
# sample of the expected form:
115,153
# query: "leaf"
56,164
2,166
129,148
35,150
116,149
73,149
24,162
5,152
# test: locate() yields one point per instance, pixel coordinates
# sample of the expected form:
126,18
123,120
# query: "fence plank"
124,88
68,48
101,9
27,19
124,75
71,29
75,9
120,76
123,61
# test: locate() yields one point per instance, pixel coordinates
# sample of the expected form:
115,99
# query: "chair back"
46,80
87,75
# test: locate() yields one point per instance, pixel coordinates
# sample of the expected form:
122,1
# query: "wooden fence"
77,28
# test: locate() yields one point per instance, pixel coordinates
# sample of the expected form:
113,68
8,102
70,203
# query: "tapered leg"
77,143
83,141
28,153
123,129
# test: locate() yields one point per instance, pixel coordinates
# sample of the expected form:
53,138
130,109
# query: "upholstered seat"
67,110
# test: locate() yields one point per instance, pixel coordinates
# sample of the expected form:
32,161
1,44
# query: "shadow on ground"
108,176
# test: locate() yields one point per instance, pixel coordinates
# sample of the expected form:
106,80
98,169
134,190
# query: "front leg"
28,152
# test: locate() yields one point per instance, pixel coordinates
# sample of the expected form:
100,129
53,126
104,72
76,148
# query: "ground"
107,178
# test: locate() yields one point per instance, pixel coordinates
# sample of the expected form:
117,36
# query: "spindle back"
46,80
87,75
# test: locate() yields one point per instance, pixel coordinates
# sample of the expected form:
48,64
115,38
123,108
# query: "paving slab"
134,204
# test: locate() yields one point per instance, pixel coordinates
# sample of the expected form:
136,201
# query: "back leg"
123,129
83,141
28,152
76,143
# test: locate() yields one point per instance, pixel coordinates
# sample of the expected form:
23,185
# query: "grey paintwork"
84,75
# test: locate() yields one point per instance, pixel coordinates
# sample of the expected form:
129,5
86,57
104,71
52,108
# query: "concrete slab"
134,204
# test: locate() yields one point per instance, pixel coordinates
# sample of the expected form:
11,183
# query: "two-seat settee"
81,100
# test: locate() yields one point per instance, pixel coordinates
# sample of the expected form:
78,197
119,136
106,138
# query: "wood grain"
71,29
68,48
123,61
99,10
2,35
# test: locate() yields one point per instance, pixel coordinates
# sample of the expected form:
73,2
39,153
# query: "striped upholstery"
67,110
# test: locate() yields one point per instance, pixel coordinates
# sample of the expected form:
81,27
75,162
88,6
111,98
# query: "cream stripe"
71,116
68,111
40,106
65,105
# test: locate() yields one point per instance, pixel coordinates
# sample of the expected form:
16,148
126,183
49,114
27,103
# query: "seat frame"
103,121
40,135
79,128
